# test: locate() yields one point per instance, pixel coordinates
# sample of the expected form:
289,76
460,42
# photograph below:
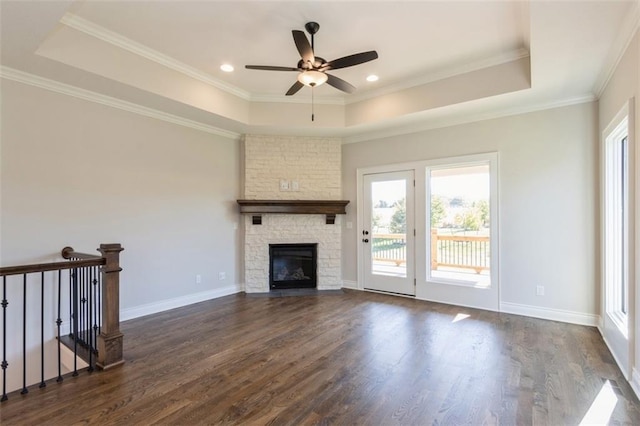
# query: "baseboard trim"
635,382
353,285
177,302
550,314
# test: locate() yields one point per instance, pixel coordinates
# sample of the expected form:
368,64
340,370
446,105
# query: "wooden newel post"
110,338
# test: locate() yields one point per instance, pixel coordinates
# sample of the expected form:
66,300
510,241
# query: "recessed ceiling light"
372,78
226,67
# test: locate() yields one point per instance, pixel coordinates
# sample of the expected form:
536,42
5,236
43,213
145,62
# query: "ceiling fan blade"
294,89
351,60
340,84
304,48
269,68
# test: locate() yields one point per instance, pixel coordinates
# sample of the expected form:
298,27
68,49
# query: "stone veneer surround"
315,163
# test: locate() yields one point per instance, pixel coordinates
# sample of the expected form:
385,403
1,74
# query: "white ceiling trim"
627,31
297,100
111,37
87,95
455,121
442,74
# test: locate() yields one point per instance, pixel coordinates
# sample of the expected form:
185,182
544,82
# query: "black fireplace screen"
292,266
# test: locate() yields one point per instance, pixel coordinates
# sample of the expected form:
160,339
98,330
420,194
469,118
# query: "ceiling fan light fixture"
312,78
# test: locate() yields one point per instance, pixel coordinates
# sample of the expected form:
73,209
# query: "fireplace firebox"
292,266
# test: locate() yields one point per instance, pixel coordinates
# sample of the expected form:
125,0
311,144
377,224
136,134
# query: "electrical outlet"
198,279
222,276
284,185
540,290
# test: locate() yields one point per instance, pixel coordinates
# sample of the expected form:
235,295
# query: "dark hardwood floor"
355,358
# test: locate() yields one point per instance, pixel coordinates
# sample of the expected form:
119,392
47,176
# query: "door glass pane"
460,224
389,228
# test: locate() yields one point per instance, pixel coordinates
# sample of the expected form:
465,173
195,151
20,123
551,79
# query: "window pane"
460,224
389,228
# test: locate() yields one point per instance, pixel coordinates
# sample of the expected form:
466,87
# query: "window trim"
616,133
490,159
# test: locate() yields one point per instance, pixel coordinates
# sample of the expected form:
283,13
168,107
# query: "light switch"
295,186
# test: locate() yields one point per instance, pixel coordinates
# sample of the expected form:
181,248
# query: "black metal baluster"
89,328
87,306
86,303
71,302
99,300
5,364
96,307
42,382
81,306
24,335
75,322
58,324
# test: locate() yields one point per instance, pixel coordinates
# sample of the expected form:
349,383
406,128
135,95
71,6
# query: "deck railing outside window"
455,251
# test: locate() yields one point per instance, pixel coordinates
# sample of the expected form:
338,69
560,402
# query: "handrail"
462,237
67,253
53,266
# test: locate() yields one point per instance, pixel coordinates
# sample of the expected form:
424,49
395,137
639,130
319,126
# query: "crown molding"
441,75
111,37
87,95
281,99
628,30
66,89
466,119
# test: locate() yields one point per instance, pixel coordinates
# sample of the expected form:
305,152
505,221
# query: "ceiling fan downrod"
312,28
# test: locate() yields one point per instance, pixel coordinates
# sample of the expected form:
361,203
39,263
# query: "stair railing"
94,306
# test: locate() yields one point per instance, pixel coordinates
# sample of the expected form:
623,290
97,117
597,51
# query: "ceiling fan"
313,69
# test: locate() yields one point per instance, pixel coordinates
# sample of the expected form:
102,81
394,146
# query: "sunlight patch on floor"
602,407
460,317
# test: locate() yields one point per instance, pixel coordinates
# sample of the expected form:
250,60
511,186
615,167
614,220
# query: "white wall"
548,200
80,174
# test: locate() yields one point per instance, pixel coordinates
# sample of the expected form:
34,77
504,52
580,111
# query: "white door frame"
438,292
406,285
360,207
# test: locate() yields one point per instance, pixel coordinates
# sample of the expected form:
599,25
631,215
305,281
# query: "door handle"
365,240
365,232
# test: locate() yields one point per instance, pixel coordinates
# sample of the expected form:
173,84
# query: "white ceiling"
572,47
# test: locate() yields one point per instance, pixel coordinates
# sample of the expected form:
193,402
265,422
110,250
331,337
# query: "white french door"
429,229
388,232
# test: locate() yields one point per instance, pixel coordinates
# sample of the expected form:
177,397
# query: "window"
460,222
616,223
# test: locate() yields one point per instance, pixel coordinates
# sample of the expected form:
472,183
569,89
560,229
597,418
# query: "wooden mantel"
330,208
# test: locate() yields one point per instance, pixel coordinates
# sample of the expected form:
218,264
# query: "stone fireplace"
291,168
